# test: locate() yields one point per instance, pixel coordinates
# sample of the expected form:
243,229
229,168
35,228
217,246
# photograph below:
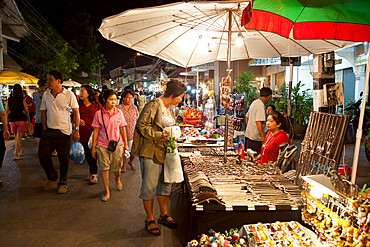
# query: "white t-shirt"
58,110
256,112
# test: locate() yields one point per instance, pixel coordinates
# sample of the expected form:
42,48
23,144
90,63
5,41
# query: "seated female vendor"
276,136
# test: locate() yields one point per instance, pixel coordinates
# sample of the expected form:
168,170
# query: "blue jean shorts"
152,180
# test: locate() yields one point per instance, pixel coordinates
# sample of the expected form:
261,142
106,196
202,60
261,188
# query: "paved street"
30,216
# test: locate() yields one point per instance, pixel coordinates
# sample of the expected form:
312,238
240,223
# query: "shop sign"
362,59
338,61
170,67
206,66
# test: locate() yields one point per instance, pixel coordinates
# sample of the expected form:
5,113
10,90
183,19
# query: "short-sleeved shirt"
113,123
30,104
87,114
256,112
37,98
58,110
131,115
270,148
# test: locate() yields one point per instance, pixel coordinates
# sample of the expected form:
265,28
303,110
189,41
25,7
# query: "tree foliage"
44,50
80,34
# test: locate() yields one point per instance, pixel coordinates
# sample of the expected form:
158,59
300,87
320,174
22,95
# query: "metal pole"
134,68
1,45
228,72
197,86
360,123
289,110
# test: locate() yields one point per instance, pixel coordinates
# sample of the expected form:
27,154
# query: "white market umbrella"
193,33
71,83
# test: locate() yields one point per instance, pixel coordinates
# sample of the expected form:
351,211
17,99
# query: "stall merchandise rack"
322,145
237,192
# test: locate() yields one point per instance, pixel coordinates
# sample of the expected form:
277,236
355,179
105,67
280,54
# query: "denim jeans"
54,139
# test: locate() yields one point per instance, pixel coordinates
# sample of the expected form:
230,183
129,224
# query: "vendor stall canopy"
312,19
193,33
11,77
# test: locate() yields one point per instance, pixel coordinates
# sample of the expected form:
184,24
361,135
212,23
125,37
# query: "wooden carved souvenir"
225,91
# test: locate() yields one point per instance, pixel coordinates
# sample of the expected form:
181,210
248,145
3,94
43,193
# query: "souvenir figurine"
236,236
194,243
203,239
362,216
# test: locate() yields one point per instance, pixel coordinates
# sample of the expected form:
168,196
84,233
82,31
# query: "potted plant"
244,85
301,107
302,104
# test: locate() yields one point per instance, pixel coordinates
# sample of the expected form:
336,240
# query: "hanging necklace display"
322,144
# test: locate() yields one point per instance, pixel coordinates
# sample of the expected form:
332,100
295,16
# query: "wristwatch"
77,128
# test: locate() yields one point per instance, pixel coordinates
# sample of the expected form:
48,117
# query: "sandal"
154,231
167,222
93,179
17,158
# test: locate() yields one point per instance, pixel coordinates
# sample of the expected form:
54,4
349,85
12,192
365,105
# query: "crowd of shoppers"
115,132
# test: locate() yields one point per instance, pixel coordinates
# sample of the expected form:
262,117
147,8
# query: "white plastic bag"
172,168
89,143
176,131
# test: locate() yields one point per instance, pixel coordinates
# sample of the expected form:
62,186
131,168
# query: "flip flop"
154,231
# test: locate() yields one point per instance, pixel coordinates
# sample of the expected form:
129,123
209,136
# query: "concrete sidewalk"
30,216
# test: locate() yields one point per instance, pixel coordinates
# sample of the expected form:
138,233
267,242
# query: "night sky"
57,11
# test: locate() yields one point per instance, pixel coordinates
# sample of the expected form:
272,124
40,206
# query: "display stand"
231,199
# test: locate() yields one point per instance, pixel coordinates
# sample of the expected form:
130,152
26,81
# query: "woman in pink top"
131,115
109,125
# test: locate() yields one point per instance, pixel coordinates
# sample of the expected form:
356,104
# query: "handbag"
159,155
89,143
112,144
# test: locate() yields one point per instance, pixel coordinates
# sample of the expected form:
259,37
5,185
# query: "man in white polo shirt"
56,109
255,120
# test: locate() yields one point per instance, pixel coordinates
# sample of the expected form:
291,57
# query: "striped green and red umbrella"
311,19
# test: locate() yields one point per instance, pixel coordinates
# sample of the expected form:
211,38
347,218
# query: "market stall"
230,194
329,219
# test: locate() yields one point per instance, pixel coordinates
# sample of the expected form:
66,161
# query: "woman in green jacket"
150,145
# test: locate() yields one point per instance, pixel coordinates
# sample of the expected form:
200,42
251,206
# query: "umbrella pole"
197,87
1,47
361,121
289,110
228,73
